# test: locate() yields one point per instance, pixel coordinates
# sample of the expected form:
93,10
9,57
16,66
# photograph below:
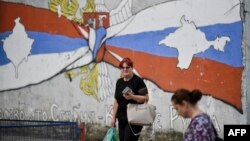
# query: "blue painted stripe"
100,34
148,42
45,43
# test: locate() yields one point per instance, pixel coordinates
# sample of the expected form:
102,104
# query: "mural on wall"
184,43
95,80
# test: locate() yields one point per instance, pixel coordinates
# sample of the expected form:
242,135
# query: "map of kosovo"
18,45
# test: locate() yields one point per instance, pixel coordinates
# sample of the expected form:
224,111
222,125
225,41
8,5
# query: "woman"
139,94
200,127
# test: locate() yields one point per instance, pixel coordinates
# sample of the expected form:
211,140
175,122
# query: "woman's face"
182,109
127,71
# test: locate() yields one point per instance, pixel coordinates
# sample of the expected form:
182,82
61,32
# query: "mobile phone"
127,90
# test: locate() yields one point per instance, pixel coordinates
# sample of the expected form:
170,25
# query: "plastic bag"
111,135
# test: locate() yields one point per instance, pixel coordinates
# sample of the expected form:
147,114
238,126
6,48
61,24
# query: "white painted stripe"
38,68
35,3
168,14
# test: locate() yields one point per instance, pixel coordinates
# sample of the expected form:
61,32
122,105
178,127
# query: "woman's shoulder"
201,119
136,77
201,127
119,80
202,116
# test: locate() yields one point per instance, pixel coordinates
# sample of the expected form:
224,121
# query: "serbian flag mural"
175,44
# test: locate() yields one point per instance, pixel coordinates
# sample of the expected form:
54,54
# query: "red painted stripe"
216,79
34,19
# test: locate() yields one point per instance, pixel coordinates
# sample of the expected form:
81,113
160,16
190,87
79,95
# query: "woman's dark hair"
127,61
181,95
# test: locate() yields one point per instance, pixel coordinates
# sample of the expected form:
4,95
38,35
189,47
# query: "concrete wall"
247,46
59,66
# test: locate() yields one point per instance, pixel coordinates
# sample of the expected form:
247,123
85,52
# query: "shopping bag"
141,114
111,135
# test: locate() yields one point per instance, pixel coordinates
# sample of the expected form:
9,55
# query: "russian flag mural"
187,44
184,43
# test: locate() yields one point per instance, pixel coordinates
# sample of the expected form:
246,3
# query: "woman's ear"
185,103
